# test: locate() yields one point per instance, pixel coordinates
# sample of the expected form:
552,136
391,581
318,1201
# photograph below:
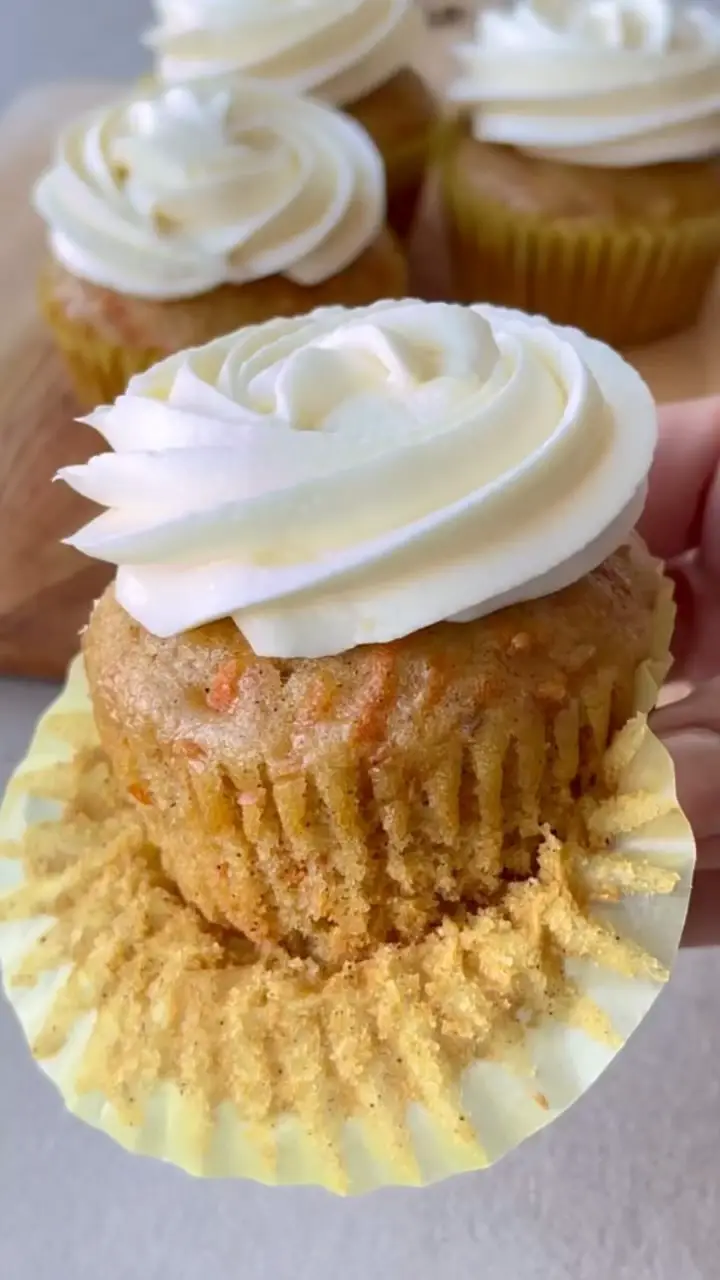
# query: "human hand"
681,525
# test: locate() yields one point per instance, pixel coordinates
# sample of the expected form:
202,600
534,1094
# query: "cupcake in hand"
585,182
335,695
368,862
356,54
179,214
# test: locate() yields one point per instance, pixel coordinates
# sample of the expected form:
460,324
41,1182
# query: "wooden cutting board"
46,588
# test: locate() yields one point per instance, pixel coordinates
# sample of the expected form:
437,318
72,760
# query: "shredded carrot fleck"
140,793
223,687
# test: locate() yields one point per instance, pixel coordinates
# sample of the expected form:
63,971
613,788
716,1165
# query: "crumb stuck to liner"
411,1065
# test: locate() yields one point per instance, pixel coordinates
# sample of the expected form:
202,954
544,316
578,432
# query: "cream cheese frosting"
170,193
610,83
340,50
353,476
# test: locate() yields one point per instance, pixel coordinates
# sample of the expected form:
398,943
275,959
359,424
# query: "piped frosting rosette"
355,475
416,1062
173,192
339,50
610,83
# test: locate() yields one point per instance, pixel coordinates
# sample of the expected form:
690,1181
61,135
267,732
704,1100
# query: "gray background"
43,40
626,1187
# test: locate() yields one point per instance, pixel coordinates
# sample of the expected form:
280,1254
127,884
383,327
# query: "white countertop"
625,1187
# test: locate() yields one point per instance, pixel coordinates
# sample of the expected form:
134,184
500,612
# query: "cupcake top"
169,194
610,83
352,476
340,50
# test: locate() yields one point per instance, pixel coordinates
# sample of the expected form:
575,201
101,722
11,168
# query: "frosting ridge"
356,475
340,50
173,192
611,83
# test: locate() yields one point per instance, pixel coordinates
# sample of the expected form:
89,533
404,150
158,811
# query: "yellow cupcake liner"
418,1063
626,285
99,369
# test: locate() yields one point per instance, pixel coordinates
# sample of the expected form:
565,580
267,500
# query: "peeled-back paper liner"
181,1047
627,285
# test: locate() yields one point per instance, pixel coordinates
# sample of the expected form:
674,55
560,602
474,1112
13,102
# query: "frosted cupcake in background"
356,54
365,862
586,184
175,215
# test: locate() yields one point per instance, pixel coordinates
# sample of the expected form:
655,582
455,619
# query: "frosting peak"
177,191
600,82
339,50
354,476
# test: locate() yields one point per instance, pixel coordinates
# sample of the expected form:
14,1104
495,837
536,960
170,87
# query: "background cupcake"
354,53
179,214
587,185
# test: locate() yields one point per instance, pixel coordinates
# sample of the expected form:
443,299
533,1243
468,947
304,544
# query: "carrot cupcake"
176,215
585,183
356,54
367,862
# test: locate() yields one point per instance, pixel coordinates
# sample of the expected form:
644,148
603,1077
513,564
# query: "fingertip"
702,928
696,756
686,460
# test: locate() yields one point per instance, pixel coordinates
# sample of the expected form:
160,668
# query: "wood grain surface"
45,587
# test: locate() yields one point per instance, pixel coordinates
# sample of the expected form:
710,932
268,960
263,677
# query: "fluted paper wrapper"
413,1065
626,285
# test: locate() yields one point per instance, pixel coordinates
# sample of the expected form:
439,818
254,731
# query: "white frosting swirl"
173,193
354,476
609,83
339,50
